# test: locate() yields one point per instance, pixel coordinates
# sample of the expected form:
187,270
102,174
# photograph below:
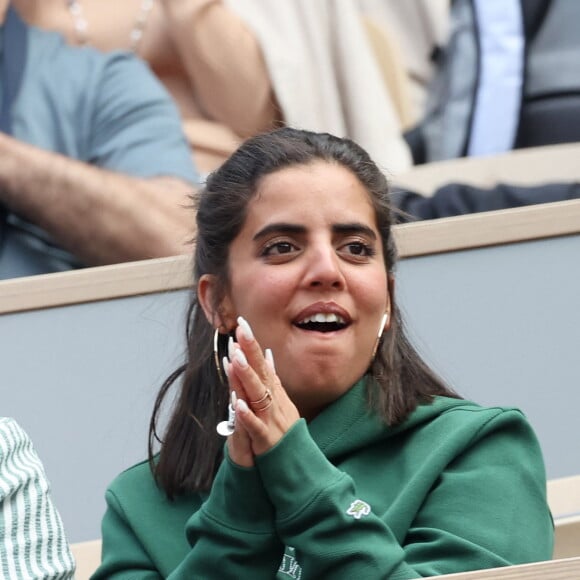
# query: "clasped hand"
264,411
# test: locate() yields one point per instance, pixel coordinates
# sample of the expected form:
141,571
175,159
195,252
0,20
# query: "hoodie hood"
349,424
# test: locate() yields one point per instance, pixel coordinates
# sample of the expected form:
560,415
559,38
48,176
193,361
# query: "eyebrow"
287,228
279,228
354,228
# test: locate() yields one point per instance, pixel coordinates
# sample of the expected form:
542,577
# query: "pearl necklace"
81,26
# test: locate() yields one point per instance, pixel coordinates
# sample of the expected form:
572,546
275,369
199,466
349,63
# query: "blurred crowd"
113,114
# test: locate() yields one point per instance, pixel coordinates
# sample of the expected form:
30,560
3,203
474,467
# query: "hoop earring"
216,357
380,334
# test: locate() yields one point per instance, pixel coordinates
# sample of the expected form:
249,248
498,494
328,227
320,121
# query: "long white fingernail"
226,363
246,330
231,348
242,406
241,358
270,358
233,399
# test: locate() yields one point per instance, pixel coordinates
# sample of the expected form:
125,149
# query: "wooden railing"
167,274
567,569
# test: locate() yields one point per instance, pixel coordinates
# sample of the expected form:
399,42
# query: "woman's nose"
324,269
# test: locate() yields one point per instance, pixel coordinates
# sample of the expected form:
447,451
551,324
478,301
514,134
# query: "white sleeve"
32,539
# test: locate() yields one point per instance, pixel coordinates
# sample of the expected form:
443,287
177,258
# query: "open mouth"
322,322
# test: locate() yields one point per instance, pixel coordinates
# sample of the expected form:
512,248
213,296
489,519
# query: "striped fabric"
32,540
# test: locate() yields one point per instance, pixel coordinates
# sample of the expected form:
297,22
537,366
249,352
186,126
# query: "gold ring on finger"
263,402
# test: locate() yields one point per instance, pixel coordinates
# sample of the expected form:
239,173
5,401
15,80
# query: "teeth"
322,317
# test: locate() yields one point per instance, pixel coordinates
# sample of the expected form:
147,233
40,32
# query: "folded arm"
225,65
99,215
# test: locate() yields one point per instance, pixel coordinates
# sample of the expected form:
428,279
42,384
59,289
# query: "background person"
349,457
201,50
94,167
33,544
326,75
505,79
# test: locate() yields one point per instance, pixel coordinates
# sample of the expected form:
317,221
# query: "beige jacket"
414,28
324,73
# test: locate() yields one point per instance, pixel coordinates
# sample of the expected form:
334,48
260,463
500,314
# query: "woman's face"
307,271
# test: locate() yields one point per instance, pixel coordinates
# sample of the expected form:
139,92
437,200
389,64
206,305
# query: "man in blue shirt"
94,167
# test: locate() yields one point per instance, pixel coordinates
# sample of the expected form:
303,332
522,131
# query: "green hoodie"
456,487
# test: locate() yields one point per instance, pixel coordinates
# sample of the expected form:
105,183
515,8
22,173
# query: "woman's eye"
278,248
359,249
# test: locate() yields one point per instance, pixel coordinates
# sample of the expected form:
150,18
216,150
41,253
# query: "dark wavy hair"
191,450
